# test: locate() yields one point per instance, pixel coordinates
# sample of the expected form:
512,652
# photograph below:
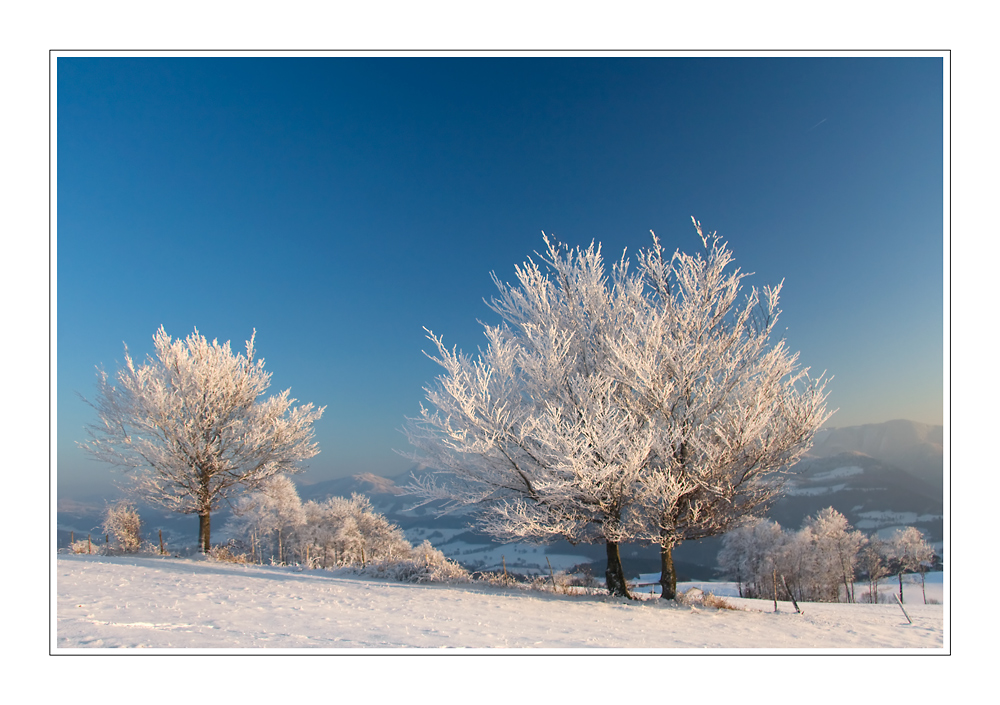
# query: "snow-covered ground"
170,603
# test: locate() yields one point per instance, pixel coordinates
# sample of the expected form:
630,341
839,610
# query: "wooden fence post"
902,608
794,603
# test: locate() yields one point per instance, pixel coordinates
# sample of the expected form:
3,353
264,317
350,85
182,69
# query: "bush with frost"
122,523
425,564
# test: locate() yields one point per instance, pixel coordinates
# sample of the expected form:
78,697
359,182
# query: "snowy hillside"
168,603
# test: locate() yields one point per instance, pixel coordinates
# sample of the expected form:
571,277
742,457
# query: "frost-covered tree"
122,521
534,429
750,555
871,563
269,518
814,562
908,552
342,531
364,535
649,406
834,549
729,405
193,429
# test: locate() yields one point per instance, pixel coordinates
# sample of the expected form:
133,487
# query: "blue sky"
338,205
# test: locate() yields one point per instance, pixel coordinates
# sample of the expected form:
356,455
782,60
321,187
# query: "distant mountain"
364,483
872,494
914,447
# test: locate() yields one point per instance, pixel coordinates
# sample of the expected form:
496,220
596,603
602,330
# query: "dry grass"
696,597
223,554
719,603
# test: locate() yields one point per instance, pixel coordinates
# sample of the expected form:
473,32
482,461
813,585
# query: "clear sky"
338,205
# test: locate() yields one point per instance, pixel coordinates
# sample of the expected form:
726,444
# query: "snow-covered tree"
269,517
871,563
833,551
646,406
908,552
343,531
121,520
535,429
319,534
192,427
813,563
729,405
750,556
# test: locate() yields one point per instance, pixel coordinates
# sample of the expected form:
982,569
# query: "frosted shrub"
696,597
555,582
122,522
85,546
232,551
425,564
582,576
498,578
341,532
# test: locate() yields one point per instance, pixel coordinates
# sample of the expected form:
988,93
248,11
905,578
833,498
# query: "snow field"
167,604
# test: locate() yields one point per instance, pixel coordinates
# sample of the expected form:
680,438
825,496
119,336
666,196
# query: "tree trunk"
615,574
847,591
204,512
668,576
900,587
790,595
205,532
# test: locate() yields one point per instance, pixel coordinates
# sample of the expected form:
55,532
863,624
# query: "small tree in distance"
908,552
833,548
871,561
750,555
268,516
191,428
121,520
